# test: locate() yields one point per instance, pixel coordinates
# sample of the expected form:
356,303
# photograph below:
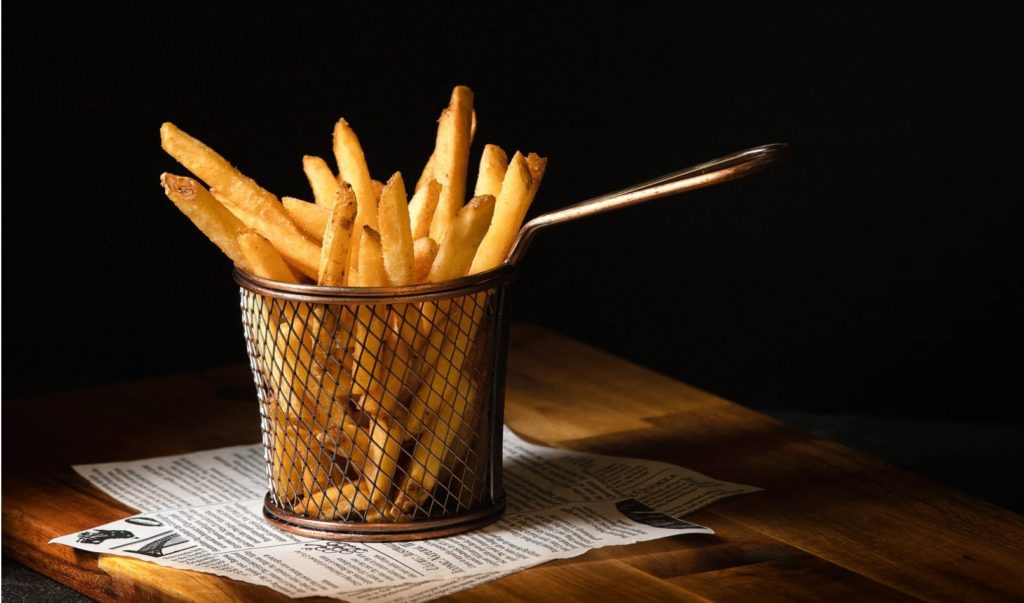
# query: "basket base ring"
383,531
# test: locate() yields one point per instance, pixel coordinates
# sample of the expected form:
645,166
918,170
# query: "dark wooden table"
832,524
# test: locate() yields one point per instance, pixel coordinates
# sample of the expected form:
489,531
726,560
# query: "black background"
879,270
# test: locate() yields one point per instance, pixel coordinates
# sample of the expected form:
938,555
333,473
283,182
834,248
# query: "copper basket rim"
496,277
385,531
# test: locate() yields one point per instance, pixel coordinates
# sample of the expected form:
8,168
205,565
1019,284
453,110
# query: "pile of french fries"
373,407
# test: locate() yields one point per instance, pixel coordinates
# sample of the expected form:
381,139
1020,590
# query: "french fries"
262,257
424,250
370,325
257,207
428,169
461,240
451,159
517,193
312,219
353,170
493,164
373,410
213,219
321,180
337,236
395,233
422,207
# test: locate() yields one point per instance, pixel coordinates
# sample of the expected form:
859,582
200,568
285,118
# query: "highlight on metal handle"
723,169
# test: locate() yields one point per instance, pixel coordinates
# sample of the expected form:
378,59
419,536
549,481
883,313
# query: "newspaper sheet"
203,512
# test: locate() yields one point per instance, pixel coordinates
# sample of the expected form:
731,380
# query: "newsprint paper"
203,512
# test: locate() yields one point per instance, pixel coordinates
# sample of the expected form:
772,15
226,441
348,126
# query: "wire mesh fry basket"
381,408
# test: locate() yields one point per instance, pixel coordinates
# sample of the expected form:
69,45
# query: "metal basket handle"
723,169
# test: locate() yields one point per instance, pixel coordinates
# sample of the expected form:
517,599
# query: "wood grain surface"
832,524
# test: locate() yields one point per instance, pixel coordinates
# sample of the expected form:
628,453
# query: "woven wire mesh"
375,412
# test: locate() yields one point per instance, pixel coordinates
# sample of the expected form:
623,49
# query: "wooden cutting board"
831,524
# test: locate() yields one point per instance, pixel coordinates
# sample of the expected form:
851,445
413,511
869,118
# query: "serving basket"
381,408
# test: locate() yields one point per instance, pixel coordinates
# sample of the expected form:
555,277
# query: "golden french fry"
329,383
334,502
319,470
335,252
265,213
210,217
291,363
464,460
371,324
452,159
467,230
493,163
416,326
371,268
381,463
441,404
424,250
321,179
352,169
311,218
516,194
286,242
399,370
422,207
288,477
437,356
300,393
428,169
308,380
331,352
395,233
347,440
263,258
